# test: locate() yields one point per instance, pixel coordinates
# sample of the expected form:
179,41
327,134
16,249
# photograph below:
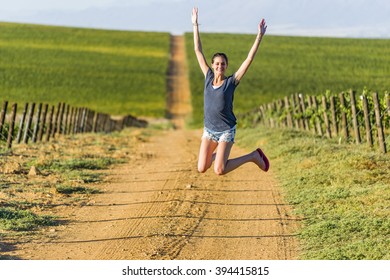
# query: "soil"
159,207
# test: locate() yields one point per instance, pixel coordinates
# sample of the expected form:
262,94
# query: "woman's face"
219,65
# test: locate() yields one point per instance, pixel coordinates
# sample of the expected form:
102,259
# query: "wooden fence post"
318,122
367,121
82,121
287,108
354,117
75,120
112,125
92,119
55,121
89,120
43,123
66,119
85,123
37,124
2,117
60,125
50,124
71,116
94,122
21,125
79,120
281,122
303,106
107,123
301,123
344,121
326,118
310,105
295,119
387,96
71,121
12,126
262,113
27,131
102,122
378,118
98,122
334,115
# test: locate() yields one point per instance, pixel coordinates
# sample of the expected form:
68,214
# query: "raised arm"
252,53
198,44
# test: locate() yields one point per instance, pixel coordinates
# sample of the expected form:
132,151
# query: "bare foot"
261,160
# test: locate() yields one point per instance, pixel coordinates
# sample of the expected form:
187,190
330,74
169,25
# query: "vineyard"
344,116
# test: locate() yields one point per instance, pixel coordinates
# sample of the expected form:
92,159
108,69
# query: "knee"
202,168
219,171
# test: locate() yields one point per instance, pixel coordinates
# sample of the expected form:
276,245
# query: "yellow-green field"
115,72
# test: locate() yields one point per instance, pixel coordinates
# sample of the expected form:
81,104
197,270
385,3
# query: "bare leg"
223,165
206,155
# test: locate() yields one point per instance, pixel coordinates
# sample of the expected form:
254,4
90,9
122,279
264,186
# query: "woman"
219,119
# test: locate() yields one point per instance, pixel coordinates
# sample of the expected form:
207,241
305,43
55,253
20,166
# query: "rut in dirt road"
157,206
178,89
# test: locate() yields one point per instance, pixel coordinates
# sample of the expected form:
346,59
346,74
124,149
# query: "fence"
328,115
44,122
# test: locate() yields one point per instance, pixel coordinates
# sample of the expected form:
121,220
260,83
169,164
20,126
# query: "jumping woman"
219,119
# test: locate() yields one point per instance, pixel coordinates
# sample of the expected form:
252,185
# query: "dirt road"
159,207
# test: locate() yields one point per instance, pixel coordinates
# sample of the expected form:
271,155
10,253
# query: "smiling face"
219,64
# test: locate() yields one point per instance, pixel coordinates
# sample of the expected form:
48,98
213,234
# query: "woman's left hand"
262,27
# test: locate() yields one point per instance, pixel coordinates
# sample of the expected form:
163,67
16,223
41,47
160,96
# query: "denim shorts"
224,136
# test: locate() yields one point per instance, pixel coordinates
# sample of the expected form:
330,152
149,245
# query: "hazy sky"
335,18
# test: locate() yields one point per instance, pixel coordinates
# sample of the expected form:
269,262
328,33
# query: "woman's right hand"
262,28
194,17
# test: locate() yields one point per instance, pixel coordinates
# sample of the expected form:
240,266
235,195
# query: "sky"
329,18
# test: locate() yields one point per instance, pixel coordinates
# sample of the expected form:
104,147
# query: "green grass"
64,189
342,192
76,164
287,65
23,220
114,72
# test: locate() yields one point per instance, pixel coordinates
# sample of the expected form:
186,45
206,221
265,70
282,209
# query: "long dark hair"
220,55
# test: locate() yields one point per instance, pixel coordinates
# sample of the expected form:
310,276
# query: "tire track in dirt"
178,88
158,206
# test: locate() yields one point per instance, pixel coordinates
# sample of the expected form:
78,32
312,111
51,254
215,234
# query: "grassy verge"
23,220
341,191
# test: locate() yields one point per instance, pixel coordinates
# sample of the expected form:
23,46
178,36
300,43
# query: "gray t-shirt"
218,104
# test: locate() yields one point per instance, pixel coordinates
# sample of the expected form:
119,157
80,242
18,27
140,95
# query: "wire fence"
41,122
361,120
